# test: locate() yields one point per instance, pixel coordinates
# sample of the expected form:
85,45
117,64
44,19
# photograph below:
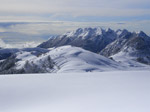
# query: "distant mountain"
106,42
135,46
92,39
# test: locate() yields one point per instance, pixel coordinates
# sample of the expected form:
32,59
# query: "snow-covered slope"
66,59
76,92
92,39
63,59
75,59
25,60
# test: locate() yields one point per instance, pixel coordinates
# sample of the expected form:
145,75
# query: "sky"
30,19
75,10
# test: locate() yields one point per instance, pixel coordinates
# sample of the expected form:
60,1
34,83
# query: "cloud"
51,9
18,45
121,23
40,29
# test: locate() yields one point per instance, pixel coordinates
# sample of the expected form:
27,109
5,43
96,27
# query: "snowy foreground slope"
120,91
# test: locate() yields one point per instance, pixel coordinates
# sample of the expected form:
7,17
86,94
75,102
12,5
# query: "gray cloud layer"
40,9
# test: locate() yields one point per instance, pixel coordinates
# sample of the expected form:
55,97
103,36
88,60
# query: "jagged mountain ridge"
92,39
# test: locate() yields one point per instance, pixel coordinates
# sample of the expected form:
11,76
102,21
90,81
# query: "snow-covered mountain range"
83,50
92,39
109,43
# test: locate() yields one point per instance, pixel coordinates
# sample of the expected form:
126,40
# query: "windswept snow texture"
75,59
76,92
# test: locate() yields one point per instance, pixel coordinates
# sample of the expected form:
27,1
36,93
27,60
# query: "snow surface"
23,57
75,59
120,91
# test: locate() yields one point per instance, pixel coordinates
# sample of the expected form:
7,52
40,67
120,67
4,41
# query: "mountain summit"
92,39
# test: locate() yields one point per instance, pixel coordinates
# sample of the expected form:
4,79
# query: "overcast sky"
75,10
